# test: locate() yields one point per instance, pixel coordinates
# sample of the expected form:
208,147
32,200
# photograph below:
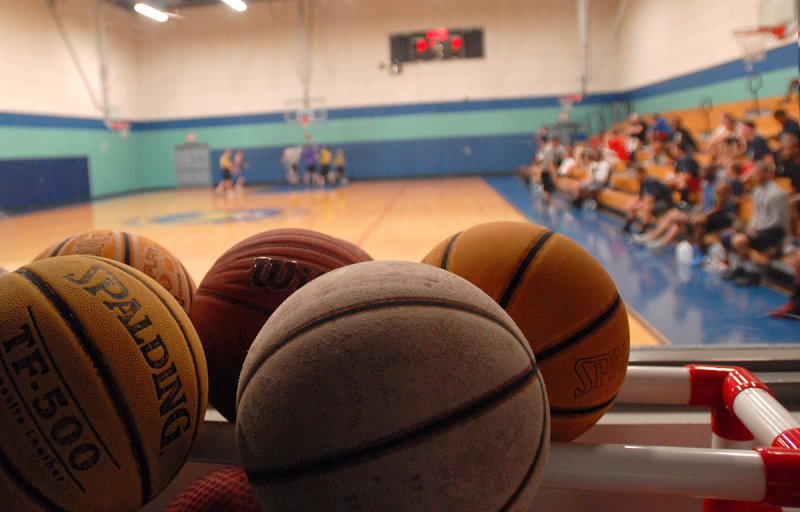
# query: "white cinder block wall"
216,62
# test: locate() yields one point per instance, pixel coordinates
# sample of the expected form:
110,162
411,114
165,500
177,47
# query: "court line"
381,216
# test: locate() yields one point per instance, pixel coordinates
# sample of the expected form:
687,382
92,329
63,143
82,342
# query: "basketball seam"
522,268
39,429
110,385
69,389
188,283
579,411
448,249
543,437
583,332
25,486
341,257
202,292
400,439
198,416
369,306
126,243
55,252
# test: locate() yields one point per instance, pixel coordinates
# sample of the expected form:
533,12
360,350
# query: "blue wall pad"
36,183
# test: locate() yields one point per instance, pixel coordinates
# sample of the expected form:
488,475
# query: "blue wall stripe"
49,121
779,58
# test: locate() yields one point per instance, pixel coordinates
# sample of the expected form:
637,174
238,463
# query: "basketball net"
567,102
754,42
123,128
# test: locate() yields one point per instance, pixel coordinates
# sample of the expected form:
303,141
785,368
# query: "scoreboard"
436,44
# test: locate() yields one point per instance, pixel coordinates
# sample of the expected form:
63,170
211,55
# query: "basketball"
564,302
102,385
139,252
223,490
392,386
243,288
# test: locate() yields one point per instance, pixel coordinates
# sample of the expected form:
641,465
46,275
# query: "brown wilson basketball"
139,252
102,386
392,386
566,305
243,288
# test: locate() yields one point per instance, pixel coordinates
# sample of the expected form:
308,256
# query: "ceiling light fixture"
150,12
236,5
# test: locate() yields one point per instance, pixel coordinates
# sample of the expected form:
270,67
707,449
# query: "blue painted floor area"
687,305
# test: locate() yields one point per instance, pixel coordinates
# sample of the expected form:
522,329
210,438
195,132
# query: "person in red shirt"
616,143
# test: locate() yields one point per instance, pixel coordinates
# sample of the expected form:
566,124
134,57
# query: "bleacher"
623,188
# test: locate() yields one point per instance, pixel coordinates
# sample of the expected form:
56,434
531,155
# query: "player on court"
325,158
338,173
226,166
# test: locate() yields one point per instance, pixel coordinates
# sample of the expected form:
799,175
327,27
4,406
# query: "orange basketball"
392,385
566,305
102,386
137,251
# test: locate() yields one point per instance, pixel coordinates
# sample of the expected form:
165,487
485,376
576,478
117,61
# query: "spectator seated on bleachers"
678,222
686,178
788,125
616,150
597,178
661,129
756,147
725,142
655,198
792,308
682,137
765,231
636,133
788,168
720,201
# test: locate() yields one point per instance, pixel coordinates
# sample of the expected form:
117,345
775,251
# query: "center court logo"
218,216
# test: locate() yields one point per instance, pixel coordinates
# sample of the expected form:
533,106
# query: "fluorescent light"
236,5
150,12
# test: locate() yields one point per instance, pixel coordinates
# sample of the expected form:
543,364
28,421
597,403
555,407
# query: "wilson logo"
278,274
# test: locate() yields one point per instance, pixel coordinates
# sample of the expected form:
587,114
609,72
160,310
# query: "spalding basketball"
137,251
392,386
243,288
223,490
103,386
566,305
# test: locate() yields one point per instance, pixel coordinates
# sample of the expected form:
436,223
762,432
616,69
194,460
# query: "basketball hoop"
567,102
754,42
123,128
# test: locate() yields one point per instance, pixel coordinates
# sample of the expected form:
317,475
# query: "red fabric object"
223,490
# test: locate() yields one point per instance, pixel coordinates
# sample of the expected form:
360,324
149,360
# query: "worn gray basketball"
392,386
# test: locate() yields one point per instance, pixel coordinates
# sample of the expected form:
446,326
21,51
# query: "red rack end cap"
737,381
706,384
782,472
788,439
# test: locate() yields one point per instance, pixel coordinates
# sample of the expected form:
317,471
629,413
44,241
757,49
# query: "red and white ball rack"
752,464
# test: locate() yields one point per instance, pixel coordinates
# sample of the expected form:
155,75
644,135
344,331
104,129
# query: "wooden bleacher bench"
616,200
